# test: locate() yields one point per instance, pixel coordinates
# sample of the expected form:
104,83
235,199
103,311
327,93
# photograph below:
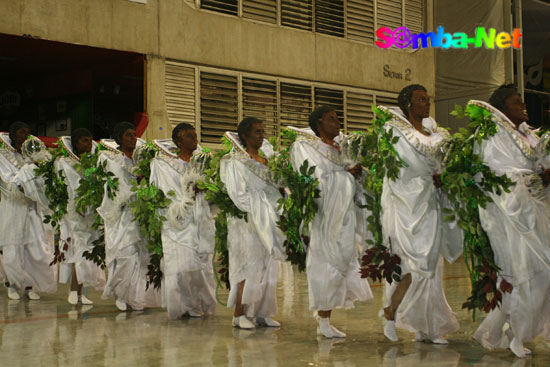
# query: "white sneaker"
194,314
32,295
12,293
324,328
389,330
337,333
121,305
517,348
73,297
440,340
243,323
85,301
266,321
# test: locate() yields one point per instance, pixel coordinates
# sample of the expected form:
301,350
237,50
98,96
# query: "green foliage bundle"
299,208
216,193
56,193
147,208
89,195
466,181
376,151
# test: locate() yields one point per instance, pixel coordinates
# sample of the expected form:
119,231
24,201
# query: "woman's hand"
356,170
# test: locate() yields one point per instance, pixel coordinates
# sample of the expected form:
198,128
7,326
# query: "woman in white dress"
125,253
413,226
76,230
517,225
188,234
254,245
27,249
332,264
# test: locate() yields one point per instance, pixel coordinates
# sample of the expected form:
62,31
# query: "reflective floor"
50,332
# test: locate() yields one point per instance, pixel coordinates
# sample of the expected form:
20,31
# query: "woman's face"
84,145
255,136
329,126
515,109
128,140
20,136
188,140
420,104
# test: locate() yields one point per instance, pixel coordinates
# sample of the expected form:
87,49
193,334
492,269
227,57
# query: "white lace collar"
520,138
239,152
332,154
168,151
428,145
65,142
112,151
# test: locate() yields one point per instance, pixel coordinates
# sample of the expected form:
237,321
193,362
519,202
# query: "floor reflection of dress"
249,347
197,335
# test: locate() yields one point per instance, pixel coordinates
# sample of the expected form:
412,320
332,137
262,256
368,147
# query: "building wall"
176,30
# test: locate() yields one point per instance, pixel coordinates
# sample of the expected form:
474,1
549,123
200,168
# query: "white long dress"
187,237
27,247
332,264
517,226
413,229
255,245
75,229
126,255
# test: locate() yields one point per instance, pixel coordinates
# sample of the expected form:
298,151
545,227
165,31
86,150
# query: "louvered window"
360,20
179,87
222,6
329,17
295,104
219,105
414,15
260,101
388,101
359,112
262,10
297,14
332,98
389,13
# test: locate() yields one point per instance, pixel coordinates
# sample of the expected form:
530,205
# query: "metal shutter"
414,15
179,84
329,17
359,112
297,14
262,10
389,13
260,101
221,6
360,20
295,104
388,101
219,105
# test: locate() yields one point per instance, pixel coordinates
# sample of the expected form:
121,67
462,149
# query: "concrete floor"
50,332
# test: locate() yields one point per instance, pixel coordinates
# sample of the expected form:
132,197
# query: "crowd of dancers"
516,222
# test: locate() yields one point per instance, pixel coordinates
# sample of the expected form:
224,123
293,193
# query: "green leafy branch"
89,196
467,180
216,193
299,208
376,150
147,209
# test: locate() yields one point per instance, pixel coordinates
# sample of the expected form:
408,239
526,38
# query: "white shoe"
324,328
73,297
517,348
266,321
121,305
440,340
84,300
337,333
12,293
243,323
389,330
32,295
420,336
194,314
